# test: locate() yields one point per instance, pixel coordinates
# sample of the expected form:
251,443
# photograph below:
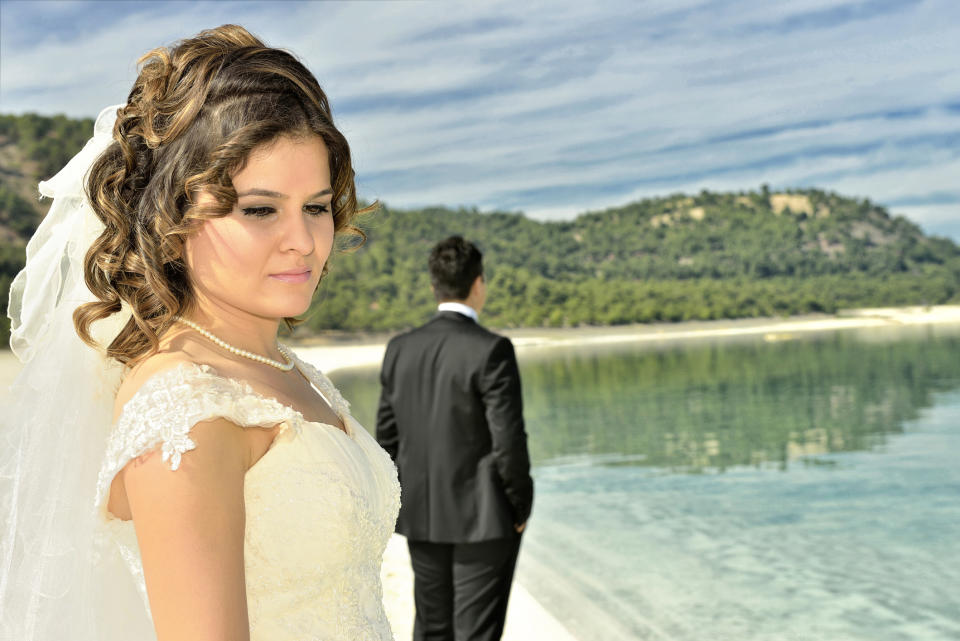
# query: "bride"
179,452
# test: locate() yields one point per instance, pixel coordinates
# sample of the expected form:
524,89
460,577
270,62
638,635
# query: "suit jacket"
451,417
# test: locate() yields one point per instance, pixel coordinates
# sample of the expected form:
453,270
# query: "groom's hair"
454,264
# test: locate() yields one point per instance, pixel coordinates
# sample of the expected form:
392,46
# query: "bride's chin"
279,306
294,309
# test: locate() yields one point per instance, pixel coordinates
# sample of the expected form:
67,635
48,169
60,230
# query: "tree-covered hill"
708,256
665,259
32,148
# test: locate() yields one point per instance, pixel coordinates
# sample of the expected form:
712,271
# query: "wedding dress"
320,504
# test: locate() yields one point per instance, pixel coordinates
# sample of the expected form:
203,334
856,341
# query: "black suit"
451,417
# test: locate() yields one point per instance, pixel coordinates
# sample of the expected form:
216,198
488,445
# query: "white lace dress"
320,504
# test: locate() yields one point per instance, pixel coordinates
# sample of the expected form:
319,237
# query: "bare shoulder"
209,461
144,371
219,456
177,350
213,461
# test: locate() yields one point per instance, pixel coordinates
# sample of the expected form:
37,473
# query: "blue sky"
556,108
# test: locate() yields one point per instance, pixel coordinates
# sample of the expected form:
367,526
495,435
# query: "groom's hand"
519,528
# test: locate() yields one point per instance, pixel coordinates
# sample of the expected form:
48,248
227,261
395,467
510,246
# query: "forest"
678,257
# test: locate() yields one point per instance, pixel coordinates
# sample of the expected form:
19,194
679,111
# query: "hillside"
32,148
707,256
666,259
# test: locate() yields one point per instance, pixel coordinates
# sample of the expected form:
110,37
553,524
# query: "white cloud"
560,107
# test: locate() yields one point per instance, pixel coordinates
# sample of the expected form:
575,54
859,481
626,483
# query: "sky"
554,108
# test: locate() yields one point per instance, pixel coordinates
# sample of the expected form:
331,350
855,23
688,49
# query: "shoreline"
340,350
526,617
366,350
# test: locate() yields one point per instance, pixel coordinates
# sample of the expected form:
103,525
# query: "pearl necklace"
286,367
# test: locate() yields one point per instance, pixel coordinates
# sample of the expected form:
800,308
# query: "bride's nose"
296,234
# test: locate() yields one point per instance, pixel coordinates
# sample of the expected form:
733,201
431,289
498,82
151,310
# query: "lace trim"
170,403
326,387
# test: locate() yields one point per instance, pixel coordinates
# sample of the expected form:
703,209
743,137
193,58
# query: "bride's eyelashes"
317,210
262,212
257,212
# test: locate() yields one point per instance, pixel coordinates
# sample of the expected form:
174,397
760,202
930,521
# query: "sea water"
788,488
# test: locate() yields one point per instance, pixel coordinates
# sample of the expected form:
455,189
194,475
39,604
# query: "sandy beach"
526,618
334,354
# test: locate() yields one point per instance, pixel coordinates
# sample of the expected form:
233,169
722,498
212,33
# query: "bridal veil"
60,576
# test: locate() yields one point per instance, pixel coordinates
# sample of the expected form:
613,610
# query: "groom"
451,417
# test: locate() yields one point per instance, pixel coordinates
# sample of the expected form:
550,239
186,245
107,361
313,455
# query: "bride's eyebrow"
278,195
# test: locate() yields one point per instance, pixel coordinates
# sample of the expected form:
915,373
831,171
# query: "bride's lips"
298,275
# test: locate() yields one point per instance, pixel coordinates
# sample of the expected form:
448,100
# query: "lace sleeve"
168,405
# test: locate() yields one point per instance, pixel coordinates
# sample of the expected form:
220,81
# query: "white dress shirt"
460,308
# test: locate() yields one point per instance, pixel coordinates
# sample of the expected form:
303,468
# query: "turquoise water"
801,489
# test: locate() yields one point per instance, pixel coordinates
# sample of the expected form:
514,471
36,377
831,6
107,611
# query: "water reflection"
858,541
709,406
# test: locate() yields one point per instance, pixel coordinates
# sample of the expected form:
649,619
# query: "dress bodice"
320,504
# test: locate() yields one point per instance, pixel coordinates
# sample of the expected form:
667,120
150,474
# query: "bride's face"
265,257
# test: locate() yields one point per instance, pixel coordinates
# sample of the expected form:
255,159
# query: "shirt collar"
460,308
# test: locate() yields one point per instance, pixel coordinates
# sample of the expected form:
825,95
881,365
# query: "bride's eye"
257,212
317,210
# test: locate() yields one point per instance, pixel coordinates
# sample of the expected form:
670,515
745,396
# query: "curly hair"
196,111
